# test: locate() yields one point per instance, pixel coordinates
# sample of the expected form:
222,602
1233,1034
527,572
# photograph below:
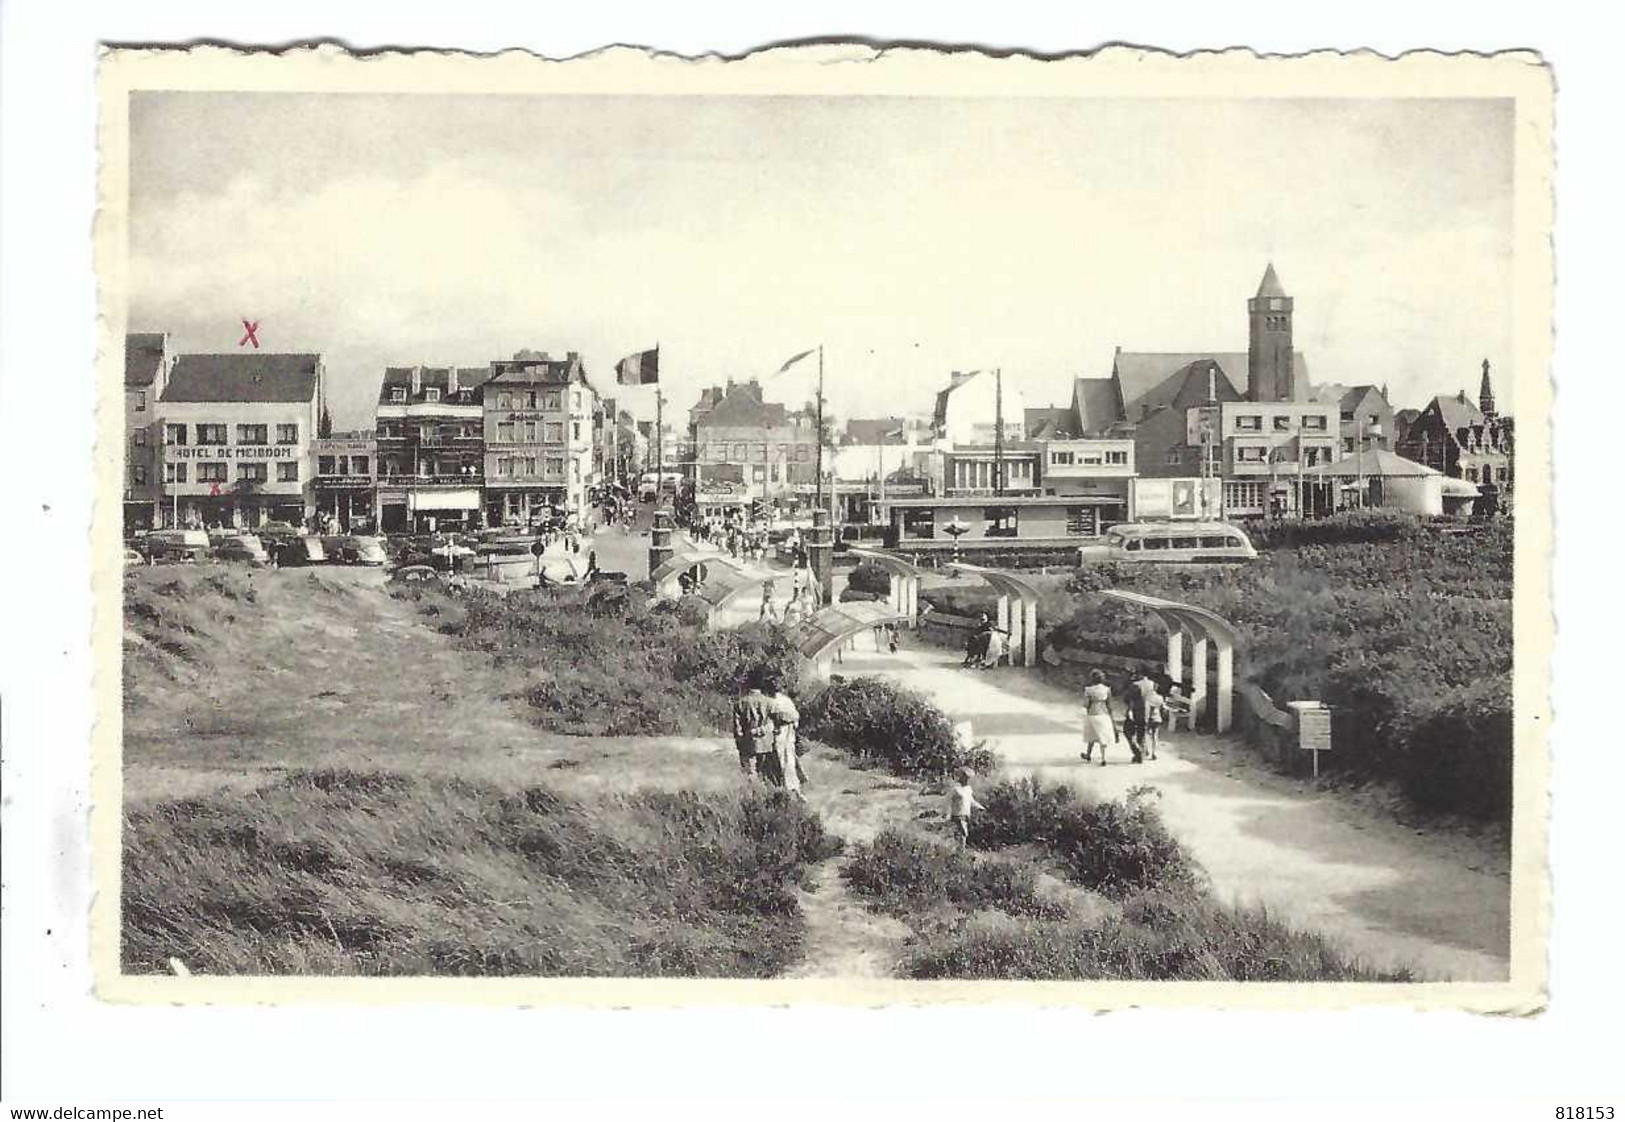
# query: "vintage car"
245,548
176,547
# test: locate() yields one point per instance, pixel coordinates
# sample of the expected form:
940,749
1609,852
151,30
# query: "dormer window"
431,394
397,393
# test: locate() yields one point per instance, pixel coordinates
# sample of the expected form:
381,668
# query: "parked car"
134,557
277,531
301,551
355,549
415,574
176,547
242,547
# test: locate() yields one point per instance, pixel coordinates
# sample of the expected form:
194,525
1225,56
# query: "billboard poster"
755,452
1176,498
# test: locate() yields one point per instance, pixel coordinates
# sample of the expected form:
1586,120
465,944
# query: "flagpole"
818,500
998,435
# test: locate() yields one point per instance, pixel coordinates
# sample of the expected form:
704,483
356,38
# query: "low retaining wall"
1269,729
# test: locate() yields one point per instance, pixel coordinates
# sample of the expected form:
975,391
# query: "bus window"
1218,541
1156,543
1133,545
1183,543
1237,541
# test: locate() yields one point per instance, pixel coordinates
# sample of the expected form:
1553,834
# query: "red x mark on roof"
250,337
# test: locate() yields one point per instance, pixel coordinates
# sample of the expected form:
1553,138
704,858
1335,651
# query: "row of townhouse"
239,439
1186,434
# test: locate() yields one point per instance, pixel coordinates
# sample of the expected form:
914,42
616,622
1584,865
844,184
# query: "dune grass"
1152,918
353,873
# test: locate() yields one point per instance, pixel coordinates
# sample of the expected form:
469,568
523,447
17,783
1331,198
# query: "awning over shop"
442,500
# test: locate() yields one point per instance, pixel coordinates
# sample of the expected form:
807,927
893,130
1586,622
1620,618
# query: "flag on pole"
792,360
639,369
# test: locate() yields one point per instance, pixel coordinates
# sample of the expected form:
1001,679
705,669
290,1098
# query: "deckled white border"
834,70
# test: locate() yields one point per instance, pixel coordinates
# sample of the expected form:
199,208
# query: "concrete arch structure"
904,596
824,635
1017,610
1203,627
664,577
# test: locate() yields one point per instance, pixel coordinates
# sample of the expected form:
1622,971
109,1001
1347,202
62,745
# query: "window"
1282,423
1249,422
209,434
174,434
470,430
140,438
919,524
140,399
530,465
253,473
1091,459
1153,544
432,394
530,400
555,467
251,434
1347,416
1001,522
575,430
552,401
1175,457
575,471
287,473
1060,457
1218,541
287,434
504,466
1133,545
504,400
1120,459
505,431
1373,419
555,432
1082,521
1348,444
1314,422
1252,455
359,465
174,473
138,474
324,465
530,432
1500,475
427,432
1183,543
397,394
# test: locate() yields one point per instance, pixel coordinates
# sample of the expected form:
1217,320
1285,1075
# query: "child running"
961,801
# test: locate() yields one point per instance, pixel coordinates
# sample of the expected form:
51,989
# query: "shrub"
903,873
869,577
1348,527
879,722
1114,848
1458,756
373,873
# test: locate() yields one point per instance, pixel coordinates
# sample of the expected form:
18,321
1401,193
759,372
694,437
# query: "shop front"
524,506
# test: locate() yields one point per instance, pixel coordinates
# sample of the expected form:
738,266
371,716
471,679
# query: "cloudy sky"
910,236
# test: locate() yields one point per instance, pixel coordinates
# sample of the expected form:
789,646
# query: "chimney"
451,380
1461,396
417,380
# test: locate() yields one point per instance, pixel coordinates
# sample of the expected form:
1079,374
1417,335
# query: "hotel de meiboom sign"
231,452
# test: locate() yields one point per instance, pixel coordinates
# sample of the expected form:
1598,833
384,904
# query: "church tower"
1271,375
1486,395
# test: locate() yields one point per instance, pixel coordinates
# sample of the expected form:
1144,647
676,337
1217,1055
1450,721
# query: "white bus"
1171,543
649,481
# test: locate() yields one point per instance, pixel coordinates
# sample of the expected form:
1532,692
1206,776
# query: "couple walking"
765,721
1145,711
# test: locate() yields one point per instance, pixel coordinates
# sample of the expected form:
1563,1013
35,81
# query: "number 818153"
1584,1114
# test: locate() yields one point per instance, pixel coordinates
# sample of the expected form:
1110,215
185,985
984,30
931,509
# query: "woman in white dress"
1098,726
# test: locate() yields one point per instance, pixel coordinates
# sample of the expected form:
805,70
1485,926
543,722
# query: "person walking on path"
783,765
961,801
1156,715
1134,715
1098,726
753,713
770,610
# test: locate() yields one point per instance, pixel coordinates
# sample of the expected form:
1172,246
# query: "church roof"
1149,380
1271,284
1097,403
